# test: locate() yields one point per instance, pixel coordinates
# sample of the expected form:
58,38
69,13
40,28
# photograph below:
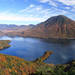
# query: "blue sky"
24,12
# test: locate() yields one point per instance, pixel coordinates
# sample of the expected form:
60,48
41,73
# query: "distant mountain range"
55,27
13,26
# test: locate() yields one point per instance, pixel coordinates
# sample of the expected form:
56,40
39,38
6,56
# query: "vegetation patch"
4,44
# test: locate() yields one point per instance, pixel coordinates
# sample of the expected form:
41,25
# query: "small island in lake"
4,44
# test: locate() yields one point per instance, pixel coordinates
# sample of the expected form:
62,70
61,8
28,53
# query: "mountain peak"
61,16
60,20
58,25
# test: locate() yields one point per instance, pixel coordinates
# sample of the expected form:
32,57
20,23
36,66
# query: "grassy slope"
12,65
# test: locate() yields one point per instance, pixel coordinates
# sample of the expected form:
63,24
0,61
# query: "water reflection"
32,48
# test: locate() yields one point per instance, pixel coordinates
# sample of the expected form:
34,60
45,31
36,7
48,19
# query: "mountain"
55,27
2,33
13,30
13,26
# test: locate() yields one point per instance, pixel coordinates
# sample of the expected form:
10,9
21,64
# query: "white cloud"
50,2
41,12
36,11
54,2
7,0
31,8
32,13
67,2
64,4
44,1
70,4
28,8
5,16
68,8
32,5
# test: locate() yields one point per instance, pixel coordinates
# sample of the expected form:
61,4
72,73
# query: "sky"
24,12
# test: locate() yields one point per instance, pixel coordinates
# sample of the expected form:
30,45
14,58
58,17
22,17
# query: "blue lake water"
32,48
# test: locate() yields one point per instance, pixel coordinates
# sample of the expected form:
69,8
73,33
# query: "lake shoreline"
38,67
40,37
31,48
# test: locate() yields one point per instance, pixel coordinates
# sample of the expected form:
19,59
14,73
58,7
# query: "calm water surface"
32,48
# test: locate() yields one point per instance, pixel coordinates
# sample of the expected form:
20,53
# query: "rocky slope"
55,27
